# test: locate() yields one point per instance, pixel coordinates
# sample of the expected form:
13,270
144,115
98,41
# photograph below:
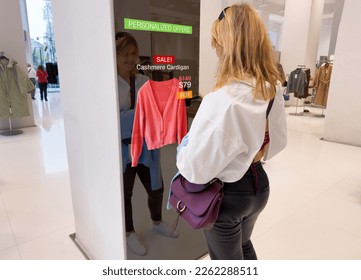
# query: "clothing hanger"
302,67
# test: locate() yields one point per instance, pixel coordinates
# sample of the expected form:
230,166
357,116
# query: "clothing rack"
312,102
11,131
307,104
296,113
303,67
312,105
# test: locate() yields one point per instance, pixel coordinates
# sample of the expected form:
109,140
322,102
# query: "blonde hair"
123,41
245,50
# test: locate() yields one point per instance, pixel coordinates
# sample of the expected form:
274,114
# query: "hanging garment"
52,70
322,84
298,82
160,117
308,77
14,86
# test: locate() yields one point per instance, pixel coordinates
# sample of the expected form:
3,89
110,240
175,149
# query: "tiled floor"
36,215
313,212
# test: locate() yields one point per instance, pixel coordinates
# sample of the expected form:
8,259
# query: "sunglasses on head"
222,14
121,34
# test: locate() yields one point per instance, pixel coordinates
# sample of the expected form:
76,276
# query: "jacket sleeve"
138,130
182,126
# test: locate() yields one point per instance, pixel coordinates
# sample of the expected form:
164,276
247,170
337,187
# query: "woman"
230,133
148,168
42,82
32,77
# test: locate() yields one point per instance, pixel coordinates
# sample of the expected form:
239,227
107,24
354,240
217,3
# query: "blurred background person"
42,82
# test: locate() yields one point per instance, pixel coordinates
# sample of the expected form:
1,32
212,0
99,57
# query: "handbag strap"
270,104
41,72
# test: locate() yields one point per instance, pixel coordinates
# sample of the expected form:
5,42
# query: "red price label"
185,78
163,59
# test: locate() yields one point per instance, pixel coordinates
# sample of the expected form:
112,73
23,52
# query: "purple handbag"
197,204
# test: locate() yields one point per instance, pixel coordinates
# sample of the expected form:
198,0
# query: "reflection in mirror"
157,53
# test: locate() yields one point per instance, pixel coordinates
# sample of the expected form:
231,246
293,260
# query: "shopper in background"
42,82
32,77
148,168
230,133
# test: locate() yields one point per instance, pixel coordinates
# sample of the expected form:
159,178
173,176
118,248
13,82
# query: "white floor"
313,212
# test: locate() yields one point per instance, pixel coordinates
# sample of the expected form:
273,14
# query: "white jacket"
31,73
228,131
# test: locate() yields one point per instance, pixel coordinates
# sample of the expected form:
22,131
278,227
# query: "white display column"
301,33
84,36
343,118
207,57
14,45
335,26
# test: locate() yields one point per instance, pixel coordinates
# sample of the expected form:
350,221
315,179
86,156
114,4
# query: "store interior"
312,212
56,210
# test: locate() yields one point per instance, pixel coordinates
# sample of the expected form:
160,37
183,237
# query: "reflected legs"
155,197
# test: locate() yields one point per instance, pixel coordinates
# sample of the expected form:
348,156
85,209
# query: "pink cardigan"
160,118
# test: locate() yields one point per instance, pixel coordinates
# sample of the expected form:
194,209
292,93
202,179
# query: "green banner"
154,26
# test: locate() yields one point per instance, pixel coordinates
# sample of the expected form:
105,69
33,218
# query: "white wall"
314,30
324,43
84,35
301,32
335,25
25,24
300,36
14,46
343,118
207,57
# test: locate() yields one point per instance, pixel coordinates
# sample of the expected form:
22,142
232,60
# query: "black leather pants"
230,238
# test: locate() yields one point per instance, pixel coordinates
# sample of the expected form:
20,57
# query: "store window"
43,51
